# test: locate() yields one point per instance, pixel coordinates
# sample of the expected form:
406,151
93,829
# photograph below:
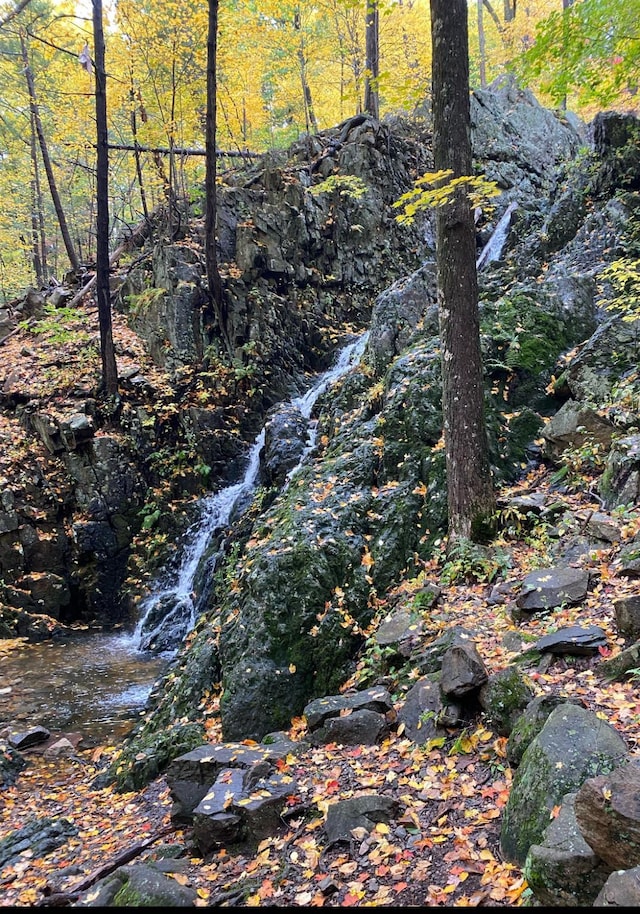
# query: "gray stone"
359,728
138,886
463,670
621,890
563,871
574,744
551,587
319,710
364,811
574,639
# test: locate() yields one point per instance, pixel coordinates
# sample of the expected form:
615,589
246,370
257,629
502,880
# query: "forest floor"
442,850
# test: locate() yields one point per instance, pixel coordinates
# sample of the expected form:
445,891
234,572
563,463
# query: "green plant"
579,463
59,325
345,185
466,562
141,302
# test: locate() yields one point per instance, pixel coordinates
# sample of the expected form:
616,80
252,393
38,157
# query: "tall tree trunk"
46,160
311,122
136,145
482,51
470,495
213,273
509,10
566,5
372,53
37,213
103,291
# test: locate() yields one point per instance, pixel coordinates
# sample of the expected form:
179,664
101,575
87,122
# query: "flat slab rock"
549,588
320,709
574,639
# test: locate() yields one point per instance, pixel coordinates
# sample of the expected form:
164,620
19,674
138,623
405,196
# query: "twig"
60,899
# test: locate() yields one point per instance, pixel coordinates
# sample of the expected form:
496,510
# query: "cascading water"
494,246
170,612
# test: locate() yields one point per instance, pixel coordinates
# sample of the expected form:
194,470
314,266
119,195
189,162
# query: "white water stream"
494,246
170,612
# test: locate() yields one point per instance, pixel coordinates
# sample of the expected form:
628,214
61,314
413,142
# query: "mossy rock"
573,745
504,697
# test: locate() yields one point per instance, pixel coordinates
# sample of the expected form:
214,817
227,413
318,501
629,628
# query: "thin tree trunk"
494,15
37,214
566,5
103,291
136,149
35,112
214,281
372,54
509,10
311,122
470,496
482,51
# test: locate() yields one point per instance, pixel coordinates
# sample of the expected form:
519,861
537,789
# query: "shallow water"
95,684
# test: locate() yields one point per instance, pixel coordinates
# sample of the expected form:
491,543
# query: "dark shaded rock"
29,738
362,727
551,587
358,812
37,836
608,814
627,610
621,890
240,809
11,764
319,710
421,712
504,697
574,639
190,775
563,871
463,670
573,745
138,886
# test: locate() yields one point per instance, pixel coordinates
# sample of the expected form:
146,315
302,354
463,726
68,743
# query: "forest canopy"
284,68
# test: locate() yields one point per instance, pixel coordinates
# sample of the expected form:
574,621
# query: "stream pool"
92,683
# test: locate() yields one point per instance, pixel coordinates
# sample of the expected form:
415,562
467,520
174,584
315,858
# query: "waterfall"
169,613
494,246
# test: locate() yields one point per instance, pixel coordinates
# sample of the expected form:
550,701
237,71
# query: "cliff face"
308,256
309,575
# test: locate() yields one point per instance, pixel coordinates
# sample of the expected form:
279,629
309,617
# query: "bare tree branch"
12,15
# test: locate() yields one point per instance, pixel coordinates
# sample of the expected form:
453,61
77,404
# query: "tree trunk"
482,51
509,10
136,150
470,495
103,291
213,273
372,53
311,122
37,213
44,151
566,5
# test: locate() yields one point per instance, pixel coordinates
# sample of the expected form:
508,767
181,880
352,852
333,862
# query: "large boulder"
573,745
